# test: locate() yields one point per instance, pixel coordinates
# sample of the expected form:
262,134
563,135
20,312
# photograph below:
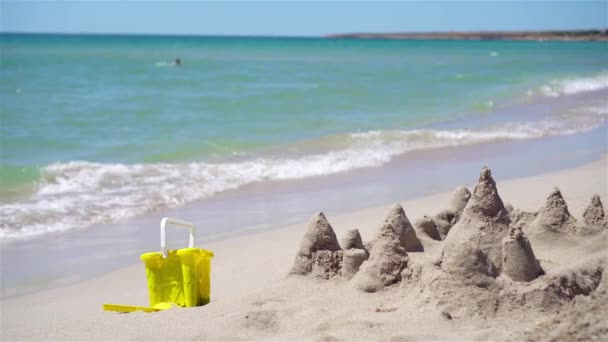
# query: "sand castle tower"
387,259
554,217
518,259
388,255
594,213
404,229
319,253
473,248
354,254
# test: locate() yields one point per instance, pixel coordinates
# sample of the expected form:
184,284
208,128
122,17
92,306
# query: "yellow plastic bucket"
181,276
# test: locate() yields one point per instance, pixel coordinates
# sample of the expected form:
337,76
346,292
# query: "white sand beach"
254,298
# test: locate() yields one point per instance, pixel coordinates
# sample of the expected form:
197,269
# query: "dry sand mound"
585,319
319,253
504,297
473,249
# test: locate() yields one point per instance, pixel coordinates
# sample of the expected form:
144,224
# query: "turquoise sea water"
102,128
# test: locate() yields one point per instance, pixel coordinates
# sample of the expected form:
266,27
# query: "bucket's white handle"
179,223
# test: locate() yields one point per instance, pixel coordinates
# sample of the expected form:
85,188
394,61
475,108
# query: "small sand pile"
473,249
553,218
319,253
594,214
354,253
518,259
438,227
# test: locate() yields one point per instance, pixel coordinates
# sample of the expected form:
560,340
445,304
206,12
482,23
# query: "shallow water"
104,128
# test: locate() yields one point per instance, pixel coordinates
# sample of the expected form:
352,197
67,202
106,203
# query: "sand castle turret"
555,213
473,248
354,254
319,253
485,201
554,217
387,259
352,239
518,259
594,213
388,255
404,229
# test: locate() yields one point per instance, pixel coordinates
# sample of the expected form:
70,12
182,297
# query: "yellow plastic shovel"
132,308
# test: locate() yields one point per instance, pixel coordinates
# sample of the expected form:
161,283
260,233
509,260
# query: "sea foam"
575,85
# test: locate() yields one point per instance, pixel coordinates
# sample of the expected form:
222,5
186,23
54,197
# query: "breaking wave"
575,85
78,193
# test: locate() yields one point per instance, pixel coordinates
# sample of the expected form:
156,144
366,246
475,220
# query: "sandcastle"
320,253
321,256
480,267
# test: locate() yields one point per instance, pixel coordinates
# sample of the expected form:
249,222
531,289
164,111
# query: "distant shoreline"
572,35
582,35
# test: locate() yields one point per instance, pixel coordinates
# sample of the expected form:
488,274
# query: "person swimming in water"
178,62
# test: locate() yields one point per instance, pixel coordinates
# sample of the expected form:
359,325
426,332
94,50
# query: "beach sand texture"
520,261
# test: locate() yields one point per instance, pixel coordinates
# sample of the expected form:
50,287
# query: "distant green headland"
601,35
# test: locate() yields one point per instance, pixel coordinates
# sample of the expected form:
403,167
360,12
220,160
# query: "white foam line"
78,193
575,85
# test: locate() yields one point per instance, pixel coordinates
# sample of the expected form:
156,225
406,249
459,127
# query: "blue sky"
302,18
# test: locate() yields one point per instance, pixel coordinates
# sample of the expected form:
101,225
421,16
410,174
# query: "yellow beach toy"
175,277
